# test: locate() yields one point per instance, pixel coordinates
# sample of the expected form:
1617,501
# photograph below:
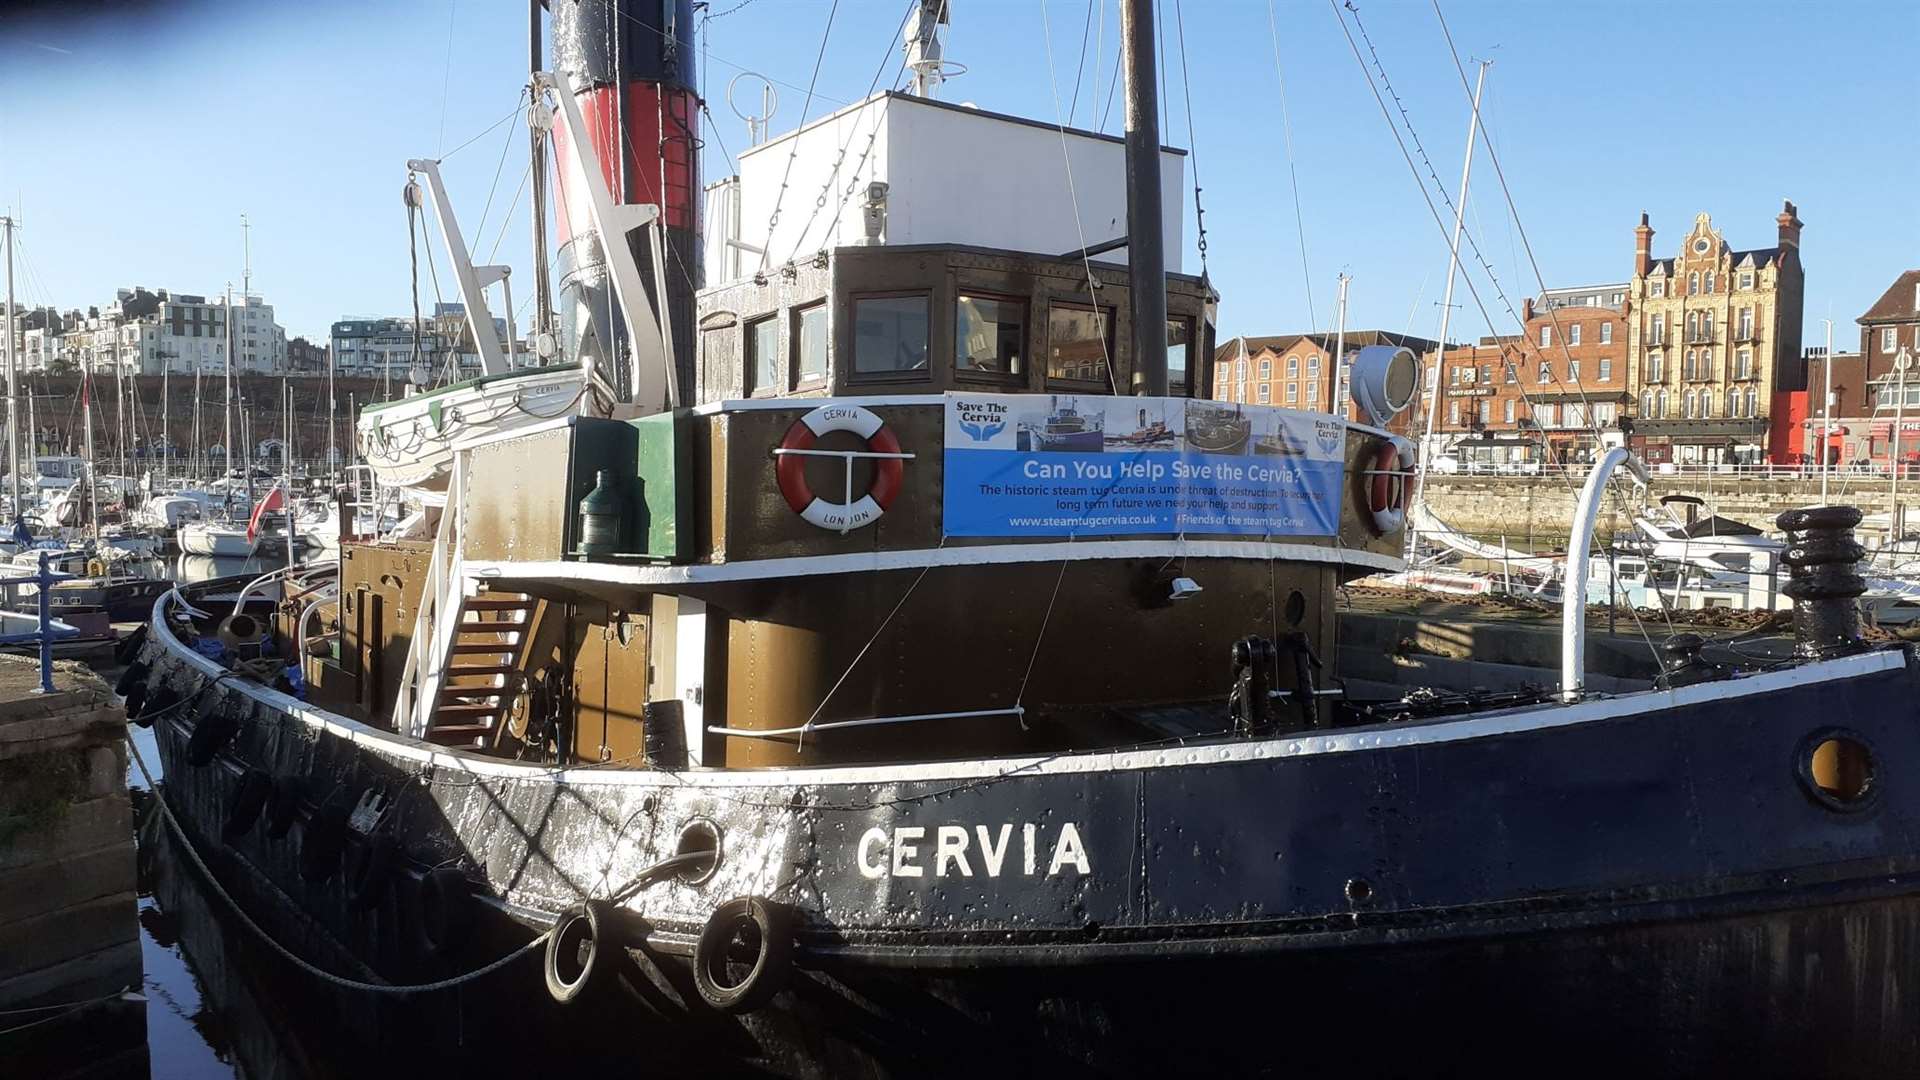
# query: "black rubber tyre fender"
245,805
444,917
581,950
368,871
136,700
211,733
322,841
154,705
135,675
283,808
772,924
129,646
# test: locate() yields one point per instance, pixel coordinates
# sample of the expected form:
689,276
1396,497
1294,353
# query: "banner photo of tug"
1092,465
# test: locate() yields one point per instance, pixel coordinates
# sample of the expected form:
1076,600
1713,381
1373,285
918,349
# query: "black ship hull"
1656,878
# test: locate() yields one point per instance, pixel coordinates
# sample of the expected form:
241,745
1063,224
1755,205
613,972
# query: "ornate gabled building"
1713,334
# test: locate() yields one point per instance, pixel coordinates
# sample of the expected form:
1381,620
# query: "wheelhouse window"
810,337
763,356
1079,343
890,335
1179,344
989,335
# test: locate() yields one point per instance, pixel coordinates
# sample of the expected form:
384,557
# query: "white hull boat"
223,541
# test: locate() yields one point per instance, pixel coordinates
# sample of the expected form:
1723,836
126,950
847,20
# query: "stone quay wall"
1536,512
68,914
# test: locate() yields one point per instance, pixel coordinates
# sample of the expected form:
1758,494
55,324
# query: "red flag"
275,500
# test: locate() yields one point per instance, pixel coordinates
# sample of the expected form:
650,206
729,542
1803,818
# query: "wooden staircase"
483,669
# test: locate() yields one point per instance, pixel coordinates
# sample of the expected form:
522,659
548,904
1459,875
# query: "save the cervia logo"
980,420
1331,435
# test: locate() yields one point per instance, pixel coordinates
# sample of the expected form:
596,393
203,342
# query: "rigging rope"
193,856
774,219
1293,175
1066,159
1193,144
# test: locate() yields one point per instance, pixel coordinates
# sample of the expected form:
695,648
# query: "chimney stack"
1789,223
1526,310
1642,247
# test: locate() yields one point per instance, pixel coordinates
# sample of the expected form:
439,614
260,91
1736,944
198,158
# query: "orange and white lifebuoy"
790,468
1387,484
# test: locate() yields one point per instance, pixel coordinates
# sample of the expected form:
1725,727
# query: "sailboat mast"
1146,256
13,406
542,284
1446,312
86,423
226,411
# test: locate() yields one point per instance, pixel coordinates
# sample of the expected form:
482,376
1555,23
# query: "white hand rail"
1573,605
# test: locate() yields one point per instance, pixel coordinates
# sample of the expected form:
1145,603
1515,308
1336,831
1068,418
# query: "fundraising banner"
1084,465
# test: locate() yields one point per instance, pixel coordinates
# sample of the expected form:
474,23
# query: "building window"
1743,364
1746,279
1733,401
1660,402
1266,367
1606,369
1706,325
1708,283
1706,403
1656,367
1545,416
1486,411
1508,410
1453,414
1693,284
1313,393
1179,339
1657,287
1746,324
811,334
1687,368
1293,392
1240,369
1752,401
1266,393
1293,367
1573,372
989,335
1546,371
1889,339
1453,376
1646,403
1486,374
1313,364
890,335
763,355
1573,334
1513,376
1686,404
1546,336
1079,340
1658,331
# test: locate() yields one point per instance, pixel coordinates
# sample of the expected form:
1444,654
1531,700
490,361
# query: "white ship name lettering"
902,851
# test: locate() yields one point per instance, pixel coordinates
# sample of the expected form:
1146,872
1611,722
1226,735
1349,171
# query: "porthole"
696,837
1839,769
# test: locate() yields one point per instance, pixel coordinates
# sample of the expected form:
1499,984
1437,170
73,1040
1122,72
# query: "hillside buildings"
156,331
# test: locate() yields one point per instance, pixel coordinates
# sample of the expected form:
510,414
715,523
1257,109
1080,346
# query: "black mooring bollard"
1821,554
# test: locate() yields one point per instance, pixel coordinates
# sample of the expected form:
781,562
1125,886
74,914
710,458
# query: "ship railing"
813,726
438,618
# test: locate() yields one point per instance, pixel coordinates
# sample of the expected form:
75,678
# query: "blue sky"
130,144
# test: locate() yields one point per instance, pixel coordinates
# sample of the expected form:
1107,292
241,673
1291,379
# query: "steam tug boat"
804,721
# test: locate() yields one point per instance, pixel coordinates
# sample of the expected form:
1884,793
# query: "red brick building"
1867,385
1297,371
1541,394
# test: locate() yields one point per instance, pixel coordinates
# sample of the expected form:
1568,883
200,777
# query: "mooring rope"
298,961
